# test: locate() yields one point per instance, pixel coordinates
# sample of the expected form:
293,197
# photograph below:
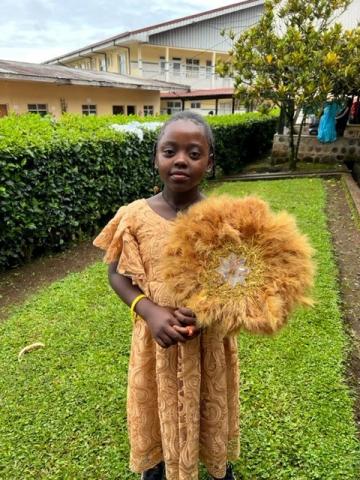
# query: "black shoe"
155,473
229,475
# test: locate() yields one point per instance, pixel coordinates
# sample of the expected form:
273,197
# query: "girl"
183,394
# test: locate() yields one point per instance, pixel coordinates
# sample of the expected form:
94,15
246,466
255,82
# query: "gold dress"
182,403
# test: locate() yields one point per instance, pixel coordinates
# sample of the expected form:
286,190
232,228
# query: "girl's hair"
198,120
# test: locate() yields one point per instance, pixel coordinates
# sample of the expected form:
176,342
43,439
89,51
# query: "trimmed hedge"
240,139
60,181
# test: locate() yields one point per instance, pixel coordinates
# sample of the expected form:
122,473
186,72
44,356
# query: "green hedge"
61,180
240,139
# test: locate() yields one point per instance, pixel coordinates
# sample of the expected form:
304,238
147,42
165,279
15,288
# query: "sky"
38,30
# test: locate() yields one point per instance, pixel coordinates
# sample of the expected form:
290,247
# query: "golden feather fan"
238,265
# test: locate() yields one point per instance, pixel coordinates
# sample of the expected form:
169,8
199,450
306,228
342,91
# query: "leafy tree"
295,56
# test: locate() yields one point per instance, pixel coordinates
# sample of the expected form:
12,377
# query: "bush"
240,139
59,181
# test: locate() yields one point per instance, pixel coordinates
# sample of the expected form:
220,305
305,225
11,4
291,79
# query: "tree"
295,56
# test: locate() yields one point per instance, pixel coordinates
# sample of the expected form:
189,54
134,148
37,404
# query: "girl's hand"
162,322
187,318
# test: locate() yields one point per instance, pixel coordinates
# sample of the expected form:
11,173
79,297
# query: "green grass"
264,165
62,408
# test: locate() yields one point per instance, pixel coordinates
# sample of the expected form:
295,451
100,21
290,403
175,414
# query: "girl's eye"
194,155
168,152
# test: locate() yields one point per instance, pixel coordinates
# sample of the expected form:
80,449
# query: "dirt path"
17,284
346,240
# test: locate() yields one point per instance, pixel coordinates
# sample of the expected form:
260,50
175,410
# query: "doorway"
3,110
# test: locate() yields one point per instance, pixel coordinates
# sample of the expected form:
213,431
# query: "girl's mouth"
179,176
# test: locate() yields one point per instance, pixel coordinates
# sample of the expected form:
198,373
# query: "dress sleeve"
120,244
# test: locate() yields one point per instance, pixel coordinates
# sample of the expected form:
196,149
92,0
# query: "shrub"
240,139
59,181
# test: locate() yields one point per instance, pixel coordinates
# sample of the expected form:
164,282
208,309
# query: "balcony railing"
197,77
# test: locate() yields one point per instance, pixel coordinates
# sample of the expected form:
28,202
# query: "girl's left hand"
187,318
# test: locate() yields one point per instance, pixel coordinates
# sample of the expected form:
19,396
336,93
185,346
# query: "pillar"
140,64
167,64
213,63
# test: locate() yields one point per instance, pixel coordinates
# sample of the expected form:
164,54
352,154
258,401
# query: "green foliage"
294,56
60,180
63,408
240,139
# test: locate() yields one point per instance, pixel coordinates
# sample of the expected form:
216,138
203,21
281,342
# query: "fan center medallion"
233,270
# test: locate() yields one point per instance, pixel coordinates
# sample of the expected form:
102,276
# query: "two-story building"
183,51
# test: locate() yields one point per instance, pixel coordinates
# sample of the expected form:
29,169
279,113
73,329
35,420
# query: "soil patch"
18,283
346,241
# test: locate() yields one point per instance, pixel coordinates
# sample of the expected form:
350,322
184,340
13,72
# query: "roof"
60,75
142,34
204,94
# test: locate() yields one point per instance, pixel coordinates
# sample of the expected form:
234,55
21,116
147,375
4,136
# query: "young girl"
183,383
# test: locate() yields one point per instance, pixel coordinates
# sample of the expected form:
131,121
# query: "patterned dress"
182,403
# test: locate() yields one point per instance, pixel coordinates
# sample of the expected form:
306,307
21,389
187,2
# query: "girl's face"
183,155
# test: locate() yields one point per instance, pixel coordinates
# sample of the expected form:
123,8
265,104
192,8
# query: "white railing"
198,77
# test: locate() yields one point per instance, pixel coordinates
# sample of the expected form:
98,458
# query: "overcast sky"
37,30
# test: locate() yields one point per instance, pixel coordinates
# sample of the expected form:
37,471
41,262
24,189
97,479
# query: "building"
351,17
54,89
183,51
217,101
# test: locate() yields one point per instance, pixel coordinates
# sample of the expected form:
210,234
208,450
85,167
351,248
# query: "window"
89,109
162,65
195,105
224,107
122,63
192,67
109,60
130,109
173,107
63,105
209,69
148,110
40,108
176,66
118,109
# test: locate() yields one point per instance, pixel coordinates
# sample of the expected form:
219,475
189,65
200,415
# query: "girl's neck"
181,200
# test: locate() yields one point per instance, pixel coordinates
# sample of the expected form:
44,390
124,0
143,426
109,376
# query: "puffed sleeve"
120,244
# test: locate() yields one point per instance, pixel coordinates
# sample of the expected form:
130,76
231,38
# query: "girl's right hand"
161,322
187,318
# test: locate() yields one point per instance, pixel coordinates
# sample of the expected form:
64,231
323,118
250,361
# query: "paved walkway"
277,175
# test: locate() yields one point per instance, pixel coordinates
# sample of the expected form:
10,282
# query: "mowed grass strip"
62,408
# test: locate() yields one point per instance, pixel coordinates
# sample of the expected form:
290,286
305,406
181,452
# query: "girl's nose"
181,158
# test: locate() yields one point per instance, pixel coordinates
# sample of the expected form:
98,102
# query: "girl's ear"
154,157
210,166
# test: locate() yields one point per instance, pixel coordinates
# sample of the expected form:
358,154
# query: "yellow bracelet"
134,303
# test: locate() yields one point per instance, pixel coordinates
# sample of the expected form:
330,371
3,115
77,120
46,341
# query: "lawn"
62,408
